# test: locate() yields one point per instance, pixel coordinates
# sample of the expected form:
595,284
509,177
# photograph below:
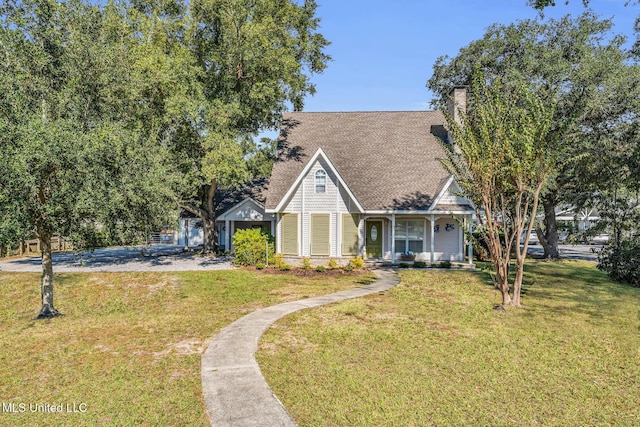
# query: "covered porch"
431,238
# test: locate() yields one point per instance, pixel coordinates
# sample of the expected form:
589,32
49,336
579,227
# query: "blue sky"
384,50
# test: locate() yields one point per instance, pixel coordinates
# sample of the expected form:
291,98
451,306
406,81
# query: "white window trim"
320,175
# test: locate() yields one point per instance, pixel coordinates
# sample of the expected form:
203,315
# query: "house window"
321,181
409,236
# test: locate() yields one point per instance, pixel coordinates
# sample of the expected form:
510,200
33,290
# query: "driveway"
577,252
135,258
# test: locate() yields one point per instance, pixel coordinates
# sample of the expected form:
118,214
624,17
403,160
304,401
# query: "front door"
374,239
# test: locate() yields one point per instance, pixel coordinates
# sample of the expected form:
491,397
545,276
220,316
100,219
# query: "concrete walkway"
235,392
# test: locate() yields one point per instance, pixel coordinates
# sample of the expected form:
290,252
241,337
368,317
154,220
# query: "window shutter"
320,224
290,234
350,234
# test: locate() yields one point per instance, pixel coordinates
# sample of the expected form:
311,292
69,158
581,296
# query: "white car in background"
533,238
600,239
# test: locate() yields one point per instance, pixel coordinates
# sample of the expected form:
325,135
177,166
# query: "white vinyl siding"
331,199
320,234
453,197
290,234
447,240
350,234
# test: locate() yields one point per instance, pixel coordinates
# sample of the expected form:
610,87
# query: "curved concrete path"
235,392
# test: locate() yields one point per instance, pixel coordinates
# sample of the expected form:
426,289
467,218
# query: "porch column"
361,237
461,239
227,247
393,239
278,246
433,246
470,243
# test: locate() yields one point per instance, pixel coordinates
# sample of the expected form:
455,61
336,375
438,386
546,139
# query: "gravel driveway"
136,258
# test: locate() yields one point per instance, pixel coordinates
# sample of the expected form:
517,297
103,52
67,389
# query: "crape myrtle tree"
501,157
241,65
75,154
573,60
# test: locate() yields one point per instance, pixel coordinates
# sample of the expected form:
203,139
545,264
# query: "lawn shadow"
574,288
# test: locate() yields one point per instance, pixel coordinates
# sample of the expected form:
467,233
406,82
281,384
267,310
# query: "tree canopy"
543,4
237,66
573,60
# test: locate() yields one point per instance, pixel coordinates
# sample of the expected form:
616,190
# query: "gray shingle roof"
226,199
388,159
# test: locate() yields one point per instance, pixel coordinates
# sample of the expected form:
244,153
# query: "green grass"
432,351
129,344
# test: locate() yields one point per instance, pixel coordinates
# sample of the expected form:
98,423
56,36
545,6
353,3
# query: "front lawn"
432,351
127,350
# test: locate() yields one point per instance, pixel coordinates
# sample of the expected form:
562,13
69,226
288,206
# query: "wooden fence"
32,247
60,244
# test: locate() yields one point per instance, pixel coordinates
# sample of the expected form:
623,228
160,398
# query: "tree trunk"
506,298
517,284
210,243
549,236
48,311
502,281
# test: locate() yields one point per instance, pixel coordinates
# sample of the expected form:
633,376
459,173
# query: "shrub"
403,265
320,269
622,262
480,247
250,246
260,266
420,264
278,260
356,263
285,267
445,264
306,263
333,264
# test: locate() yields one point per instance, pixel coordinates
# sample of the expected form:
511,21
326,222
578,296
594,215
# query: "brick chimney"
457,102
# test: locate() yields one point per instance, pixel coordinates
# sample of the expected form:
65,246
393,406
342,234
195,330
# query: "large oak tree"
235,67
76,157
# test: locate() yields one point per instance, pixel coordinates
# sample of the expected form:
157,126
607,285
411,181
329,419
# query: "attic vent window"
321,181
